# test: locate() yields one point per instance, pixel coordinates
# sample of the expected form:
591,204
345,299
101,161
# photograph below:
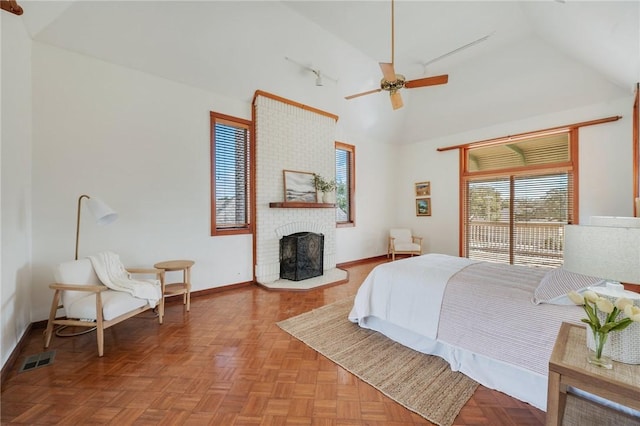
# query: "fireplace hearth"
301,256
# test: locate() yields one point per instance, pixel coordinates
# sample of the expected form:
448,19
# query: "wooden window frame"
248,124
351,221
571,166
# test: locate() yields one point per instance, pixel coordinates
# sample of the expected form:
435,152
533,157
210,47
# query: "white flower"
576,298
622,303
591,296
594,305
604,305
632,312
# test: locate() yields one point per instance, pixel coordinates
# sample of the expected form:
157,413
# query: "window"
516,198
230,175
345,184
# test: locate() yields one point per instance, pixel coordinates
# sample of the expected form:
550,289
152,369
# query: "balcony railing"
534,243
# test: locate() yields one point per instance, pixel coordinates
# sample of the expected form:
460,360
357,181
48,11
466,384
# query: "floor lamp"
102,213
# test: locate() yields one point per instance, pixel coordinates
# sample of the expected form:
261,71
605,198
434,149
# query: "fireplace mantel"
289,205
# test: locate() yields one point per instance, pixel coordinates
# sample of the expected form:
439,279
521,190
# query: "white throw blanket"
407,292
113,274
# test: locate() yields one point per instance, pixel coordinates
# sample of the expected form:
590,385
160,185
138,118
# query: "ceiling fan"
392,82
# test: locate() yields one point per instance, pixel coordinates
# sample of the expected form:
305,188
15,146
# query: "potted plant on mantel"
325,186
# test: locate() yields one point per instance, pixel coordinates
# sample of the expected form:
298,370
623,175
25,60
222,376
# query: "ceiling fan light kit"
393,86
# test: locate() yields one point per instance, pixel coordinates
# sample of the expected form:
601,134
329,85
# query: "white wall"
15,195
375,206
606,170
141,143
606,165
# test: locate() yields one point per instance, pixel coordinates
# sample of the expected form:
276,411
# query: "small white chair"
89,303
402,242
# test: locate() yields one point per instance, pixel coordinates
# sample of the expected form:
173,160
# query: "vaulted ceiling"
541,56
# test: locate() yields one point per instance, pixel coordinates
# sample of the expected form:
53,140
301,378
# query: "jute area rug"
422,383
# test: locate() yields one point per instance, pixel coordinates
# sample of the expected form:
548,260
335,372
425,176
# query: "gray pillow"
555,285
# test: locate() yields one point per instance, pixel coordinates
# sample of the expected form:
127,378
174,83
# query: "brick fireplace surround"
291,137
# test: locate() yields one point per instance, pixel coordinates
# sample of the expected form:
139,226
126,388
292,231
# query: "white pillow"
555,285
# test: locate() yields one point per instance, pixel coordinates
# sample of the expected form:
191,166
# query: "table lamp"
608,248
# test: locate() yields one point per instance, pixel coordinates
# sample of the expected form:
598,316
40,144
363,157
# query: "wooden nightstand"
569,367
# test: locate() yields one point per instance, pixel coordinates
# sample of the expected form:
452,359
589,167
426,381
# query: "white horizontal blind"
487,220
541,206
232,168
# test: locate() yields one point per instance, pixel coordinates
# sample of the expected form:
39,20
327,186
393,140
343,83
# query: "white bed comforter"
409,294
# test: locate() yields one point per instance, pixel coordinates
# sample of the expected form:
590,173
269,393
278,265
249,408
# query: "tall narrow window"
517,197
345,184
230,175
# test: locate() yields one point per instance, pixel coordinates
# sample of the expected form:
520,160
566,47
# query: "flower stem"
600,339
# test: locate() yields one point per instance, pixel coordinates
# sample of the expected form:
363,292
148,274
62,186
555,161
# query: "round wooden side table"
184,287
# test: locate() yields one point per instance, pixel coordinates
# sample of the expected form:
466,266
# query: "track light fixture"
319,75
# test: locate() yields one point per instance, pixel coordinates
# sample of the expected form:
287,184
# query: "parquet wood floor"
223,363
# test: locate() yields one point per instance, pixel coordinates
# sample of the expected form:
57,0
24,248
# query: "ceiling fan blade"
396,100
388,71
428,81
363,93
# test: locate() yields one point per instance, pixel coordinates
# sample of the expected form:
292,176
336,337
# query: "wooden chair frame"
392,251
100,324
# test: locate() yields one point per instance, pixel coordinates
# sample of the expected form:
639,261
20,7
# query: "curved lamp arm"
99,209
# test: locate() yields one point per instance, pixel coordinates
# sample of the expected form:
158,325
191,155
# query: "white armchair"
402,242
89,303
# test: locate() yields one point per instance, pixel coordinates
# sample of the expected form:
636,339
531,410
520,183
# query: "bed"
494,322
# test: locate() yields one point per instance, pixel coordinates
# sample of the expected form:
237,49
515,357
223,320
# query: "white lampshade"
608,248
103,214
101,211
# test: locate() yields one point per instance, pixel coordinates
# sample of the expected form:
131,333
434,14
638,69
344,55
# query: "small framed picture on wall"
423,189
423,207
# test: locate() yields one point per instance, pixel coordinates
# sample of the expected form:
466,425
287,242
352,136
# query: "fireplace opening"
301,256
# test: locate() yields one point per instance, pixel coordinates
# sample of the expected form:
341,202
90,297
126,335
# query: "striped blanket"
487,309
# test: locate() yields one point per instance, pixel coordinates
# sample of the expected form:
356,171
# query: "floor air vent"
38,360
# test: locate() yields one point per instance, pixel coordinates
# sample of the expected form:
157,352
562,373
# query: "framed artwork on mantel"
299,187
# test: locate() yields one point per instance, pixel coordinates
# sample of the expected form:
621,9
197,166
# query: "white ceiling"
542,56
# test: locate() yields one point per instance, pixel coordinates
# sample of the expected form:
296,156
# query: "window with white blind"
516,198
345,184
230,175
